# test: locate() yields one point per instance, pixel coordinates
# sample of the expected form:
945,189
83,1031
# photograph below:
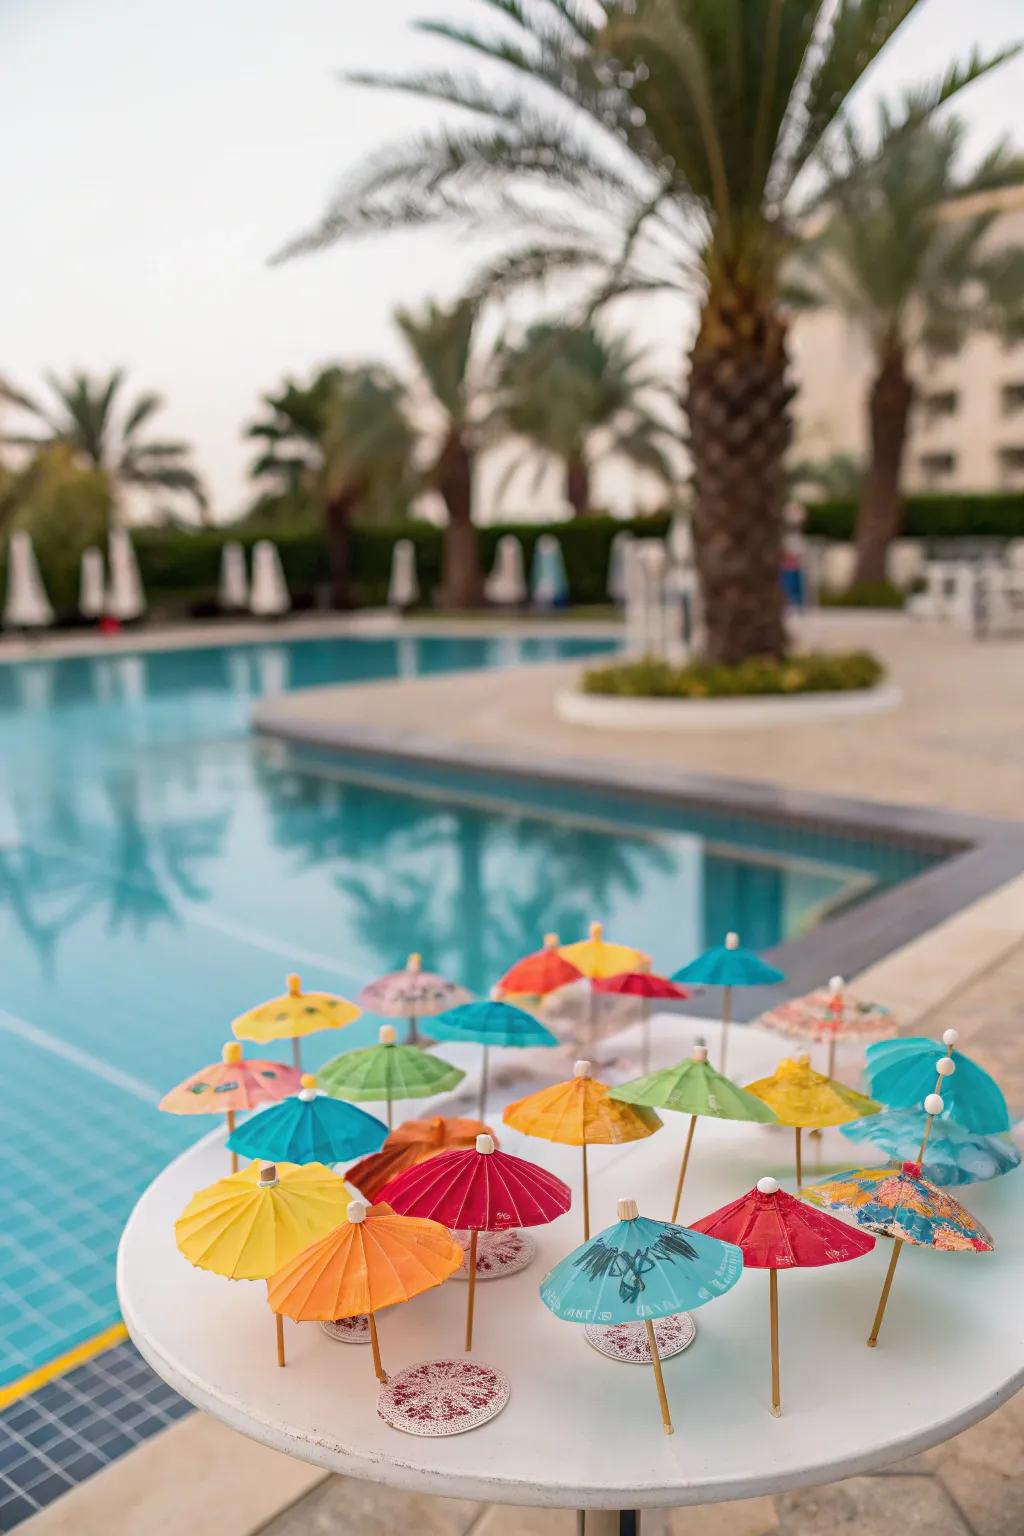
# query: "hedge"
815,672
997,515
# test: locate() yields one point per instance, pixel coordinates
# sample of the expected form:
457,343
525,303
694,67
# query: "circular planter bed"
753,712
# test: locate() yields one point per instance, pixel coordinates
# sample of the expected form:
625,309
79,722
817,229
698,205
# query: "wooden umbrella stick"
471,1293
886,1288
279,1323
230,1119
683,1166
799,1158
389,1112
652,1345
482,1106
726,1021
832,1056
773,1304
414,1033
378,1369
586,1197
645,1025
296,1054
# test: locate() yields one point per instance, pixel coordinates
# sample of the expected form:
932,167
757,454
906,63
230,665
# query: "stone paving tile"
509,1520
871,1506
344,1506
746,1517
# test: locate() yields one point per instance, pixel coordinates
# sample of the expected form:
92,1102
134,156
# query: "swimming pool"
160,871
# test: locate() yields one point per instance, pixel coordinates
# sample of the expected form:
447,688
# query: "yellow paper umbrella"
579,1113
597,958
248,1225
806,1099
295,1014
374,1259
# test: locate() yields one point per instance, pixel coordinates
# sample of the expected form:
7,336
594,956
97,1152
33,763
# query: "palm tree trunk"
740,428
338,519
577,485
880,513
462,577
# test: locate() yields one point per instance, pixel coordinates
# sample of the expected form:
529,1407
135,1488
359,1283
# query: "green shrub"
863,594
999,514
815,672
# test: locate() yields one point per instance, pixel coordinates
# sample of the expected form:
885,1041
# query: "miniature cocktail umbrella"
373,1259
954,1155
295,1014
901,1072
477,1190
774,1231
540,973
648,987
309,1128
899,1203
229,1085
487,1024
827,1016
597,958
808,1100
581,1113
412,994
728,965
387,1071
411,1143
637,1271
694,1088
247,1226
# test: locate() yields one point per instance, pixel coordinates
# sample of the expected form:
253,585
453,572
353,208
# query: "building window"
1012,397
944,402
1011,465
936,467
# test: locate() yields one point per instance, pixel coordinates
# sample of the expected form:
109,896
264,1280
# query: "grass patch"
863,594
815,672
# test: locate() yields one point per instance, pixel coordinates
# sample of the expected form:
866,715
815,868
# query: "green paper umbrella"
387,1071
694,1088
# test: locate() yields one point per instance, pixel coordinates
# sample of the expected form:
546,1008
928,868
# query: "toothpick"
682,1166
471,1297
652,1345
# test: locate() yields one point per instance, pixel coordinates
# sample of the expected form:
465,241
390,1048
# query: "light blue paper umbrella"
953,1155
729,965
637,1271
901,1073
490,1023
309,1128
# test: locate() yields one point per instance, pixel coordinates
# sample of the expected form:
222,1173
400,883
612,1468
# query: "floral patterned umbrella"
828,1015
230,1085
953,1156
412,994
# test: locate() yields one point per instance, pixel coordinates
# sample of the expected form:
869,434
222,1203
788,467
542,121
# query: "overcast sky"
156,152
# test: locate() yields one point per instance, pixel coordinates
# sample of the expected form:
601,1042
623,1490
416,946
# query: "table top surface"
583,1431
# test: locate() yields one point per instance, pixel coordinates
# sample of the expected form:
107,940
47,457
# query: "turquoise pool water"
160,872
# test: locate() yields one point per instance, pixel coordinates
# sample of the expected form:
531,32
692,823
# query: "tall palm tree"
674,132
345,438
86,416
441,340
578,395
914,274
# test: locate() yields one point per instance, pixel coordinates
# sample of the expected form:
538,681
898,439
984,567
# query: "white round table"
582,1431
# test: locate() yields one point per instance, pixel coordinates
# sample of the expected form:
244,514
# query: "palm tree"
674,133
441,341
914,274
84,417
346,439
577,396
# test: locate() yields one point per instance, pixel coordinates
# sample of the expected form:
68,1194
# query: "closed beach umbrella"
386,1071
539,974
549,585
954,1154
727,966
808,1100
91,584
372,1259
412,994
125,597
295,1014
403,584
773,1231
268,595
581,1113
637,1271
618,561
506,584
27,605
487,1024
694,1088
309,1128
901,1072
230,1085
411,1143
829,1015
247,1226
233,594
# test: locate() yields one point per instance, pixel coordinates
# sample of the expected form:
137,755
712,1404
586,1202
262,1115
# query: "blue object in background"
903,1072
729,965
953,1155
549,584
309,1128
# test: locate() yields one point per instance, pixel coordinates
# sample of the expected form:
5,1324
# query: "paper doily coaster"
442,1397
348,1330
628,1341
497,1254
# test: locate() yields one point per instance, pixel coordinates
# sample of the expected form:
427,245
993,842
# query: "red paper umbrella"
538,974
477,1189
776,1231
647,986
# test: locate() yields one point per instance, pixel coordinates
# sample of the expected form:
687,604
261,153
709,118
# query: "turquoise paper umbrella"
637,1271
901,1072
954,1155
729,965
309,1128
490,1023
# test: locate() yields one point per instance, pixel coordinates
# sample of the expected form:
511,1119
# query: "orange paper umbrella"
229,1085
540,973
374,1259
412,1143
579,1113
